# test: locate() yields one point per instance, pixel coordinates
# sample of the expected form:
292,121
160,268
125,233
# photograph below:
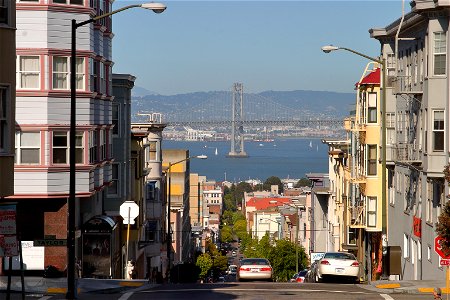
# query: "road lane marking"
386,296
242,290
126,296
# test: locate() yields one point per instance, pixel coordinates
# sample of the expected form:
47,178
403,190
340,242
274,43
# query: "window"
61,79
438,196
61,147
113,189
102,145
371,160
94,75
115,118
405,246
351,237
372,108
4,116
438,130
390,128
152,151
73,2
27,148
151,191
151,231
93,146
440,51
429,205
4,11
371,211
60,73
29,74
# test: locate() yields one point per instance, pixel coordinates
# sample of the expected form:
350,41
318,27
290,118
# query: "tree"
443,228
204,262
229,203
240,229
241,188
273,180
226,234
238,216
303,182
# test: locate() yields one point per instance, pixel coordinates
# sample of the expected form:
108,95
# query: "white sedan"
336,264
254,269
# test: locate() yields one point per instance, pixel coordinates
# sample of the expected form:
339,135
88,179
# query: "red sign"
438,247
445,262
417,226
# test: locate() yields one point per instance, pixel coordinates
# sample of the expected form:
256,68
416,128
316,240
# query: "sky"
266,45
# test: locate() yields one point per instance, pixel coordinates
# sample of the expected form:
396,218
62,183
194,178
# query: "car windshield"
255,261
338,255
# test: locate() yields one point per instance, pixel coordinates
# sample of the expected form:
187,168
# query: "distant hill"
313,103
140,92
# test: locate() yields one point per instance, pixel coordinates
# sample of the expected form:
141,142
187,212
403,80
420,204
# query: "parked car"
300,276
254,269
337,264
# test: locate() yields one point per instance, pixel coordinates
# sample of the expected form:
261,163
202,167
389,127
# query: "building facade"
43,119
415,47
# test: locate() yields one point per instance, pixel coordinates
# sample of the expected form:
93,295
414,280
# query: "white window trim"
79,62
19,147
20,72
444,52
116,180
433,112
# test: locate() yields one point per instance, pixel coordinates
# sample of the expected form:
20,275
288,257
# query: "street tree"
443,228
240,229
204,262
226,234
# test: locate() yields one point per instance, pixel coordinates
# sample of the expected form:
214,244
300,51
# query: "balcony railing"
409,153
403,84
358,216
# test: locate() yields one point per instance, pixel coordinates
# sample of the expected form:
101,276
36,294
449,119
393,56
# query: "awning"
99,223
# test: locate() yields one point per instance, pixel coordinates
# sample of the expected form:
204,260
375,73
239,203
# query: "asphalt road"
235,290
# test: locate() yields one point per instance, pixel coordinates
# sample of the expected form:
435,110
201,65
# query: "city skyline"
209,45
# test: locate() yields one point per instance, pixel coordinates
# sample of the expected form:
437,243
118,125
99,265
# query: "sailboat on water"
216,152
310,144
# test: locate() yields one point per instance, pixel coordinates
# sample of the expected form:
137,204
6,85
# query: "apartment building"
152,237
415,47
41,171
7,96
180,224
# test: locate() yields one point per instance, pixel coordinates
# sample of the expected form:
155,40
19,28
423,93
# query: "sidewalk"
40,285
407,286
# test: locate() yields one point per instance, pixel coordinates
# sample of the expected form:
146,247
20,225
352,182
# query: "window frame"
79,73
18,157
5,13
371,211
79,147
372,108
21,72
440,50
372,162
115,176
438,128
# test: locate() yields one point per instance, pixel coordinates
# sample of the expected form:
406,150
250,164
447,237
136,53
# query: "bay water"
284,158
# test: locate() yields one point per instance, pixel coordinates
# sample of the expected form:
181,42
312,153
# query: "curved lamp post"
169,183
382,62
299,215
71,282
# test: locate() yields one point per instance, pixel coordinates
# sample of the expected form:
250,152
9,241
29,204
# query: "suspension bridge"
244,113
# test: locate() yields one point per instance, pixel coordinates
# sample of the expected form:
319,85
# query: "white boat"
310,144
216,152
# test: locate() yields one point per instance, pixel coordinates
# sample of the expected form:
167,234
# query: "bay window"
372,160
440,53
61,147
372,108
61,78
438,130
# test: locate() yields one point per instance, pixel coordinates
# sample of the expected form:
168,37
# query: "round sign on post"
438,247
129,210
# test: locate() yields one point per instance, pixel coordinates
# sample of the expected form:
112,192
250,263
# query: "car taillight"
355,264
244,269
324,262
266,269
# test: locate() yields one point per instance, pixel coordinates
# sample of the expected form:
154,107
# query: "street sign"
129,210
438,248
444,262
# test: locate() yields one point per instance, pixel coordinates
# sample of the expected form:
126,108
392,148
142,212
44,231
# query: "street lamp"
299,215
382,62
71,284
169,183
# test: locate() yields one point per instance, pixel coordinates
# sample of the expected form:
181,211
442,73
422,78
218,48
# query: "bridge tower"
237,122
